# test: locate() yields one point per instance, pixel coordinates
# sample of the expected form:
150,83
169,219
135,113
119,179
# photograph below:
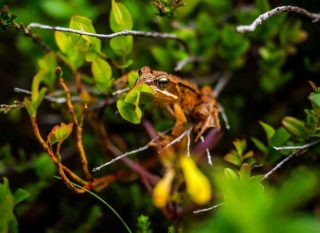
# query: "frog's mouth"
163,93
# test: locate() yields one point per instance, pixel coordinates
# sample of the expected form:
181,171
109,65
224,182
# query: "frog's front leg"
180,120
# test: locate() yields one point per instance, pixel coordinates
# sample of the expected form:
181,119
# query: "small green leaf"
260,145
268,129
8,222
43,166
129,111
144,88
20,195
245,171
233,158
295,127
59,133
230,174
102,74
29,106
249,154
133,97
84,24
315,99
132,78
120,18
240,146
63,41
36,84
122,45
280,137
48,63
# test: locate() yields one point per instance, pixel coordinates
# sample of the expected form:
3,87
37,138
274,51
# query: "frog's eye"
162,82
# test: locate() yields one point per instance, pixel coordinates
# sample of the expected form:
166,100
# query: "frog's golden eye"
162,82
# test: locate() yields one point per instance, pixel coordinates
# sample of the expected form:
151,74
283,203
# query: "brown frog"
182,99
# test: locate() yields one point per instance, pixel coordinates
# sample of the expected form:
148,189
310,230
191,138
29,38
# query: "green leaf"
262,5
245,171
65,44
132,78
48,63
295,127
8,222
280,137
63,41
130,112
43,166
230,174
120,18
260,145
36,84
20,195
128,105
233,158
84,24
233,45
315,99
29,106
187,8
268,129
59,133
122,45
240,146
102,74
36,95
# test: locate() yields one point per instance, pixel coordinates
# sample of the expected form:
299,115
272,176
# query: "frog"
183,99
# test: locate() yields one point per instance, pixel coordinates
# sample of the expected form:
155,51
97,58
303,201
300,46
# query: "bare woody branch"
265,16
155,35
298,149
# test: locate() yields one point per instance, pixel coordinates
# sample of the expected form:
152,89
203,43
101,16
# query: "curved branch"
155,35
265,16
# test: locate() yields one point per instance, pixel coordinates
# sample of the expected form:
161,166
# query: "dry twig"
265,16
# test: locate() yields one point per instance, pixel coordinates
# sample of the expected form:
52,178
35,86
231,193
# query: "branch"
120,157
265,16
208,209
155,35
286,159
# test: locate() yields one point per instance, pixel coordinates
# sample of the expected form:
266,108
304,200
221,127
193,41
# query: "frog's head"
162,83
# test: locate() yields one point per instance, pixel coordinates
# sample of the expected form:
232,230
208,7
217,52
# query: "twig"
224,116
82,153
208,209
121,157
49,98
286,159
222,82
155,35
118,92
295,147
208,152
178,139
265,16
279,165
188,143
5,108
179,66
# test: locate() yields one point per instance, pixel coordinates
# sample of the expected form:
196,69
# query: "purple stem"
208,143
149,128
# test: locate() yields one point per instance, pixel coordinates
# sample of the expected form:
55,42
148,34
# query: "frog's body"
182,98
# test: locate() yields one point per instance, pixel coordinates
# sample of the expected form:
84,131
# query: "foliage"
84,107
8,201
